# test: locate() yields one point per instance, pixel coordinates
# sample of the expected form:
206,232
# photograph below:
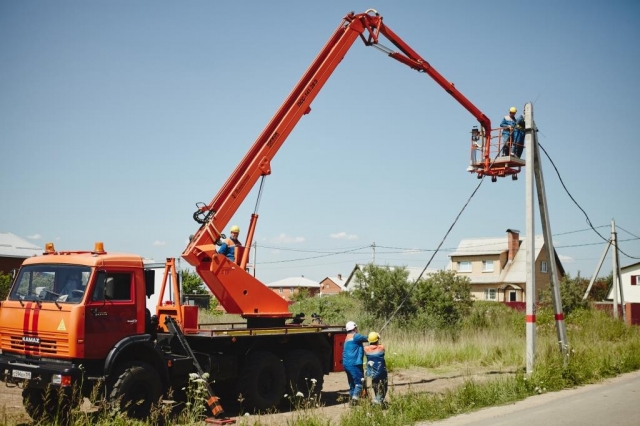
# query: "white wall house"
630,277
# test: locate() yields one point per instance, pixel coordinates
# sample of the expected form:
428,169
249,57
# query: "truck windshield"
52,283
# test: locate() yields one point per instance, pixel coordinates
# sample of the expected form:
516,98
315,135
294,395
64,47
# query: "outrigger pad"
214,421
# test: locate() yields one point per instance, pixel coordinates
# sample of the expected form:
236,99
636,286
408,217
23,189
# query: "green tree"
192,284
444,298
382,290
600,289
302,294
571,292
5,284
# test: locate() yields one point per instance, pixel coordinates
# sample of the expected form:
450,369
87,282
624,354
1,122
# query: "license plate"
19,374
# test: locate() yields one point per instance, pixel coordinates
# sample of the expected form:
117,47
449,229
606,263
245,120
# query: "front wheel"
47,405
138,387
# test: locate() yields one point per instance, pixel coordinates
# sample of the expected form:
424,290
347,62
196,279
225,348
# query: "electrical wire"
578,205
316,257
439,245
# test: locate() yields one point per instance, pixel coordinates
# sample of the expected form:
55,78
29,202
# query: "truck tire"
137,388
262,381
46,405
302,366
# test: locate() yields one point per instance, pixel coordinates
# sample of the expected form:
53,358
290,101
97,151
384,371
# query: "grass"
492,338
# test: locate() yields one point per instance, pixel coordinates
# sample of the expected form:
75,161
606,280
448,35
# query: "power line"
578,205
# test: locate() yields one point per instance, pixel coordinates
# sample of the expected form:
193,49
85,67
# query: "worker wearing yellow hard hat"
376,367
508,124
227,248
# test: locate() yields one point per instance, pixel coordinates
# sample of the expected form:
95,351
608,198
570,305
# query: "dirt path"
333,401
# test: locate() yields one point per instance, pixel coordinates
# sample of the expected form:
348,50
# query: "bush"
333,309
383,290
5,285
445,298
571,292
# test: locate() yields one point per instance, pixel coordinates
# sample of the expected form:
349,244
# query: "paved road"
612,402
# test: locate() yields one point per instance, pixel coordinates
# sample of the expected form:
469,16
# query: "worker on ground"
352,358
376,367
227,248
518,137
508,124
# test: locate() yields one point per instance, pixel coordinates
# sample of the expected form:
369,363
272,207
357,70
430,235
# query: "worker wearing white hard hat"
352,358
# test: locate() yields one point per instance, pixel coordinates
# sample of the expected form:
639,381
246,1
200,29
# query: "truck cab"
66,311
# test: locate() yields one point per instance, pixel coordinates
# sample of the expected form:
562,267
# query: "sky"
116,117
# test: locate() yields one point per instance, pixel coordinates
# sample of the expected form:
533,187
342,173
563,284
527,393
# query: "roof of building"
13,246
632,266
338,280
481,246
294,282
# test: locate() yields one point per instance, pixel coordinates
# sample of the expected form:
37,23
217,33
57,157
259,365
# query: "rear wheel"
304,373
138,387
262,381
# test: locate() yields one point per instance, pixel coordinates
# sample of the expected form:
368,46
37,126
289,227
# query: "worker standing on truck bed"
228,246
352,357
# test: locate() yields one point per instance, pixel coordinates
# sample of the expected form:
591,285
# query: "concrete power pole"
534,172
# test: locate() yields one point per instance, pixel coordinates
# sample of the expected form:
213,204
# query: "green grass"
491,338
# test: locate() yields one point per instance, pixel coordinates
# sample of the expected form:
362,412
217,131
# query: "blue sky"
116,117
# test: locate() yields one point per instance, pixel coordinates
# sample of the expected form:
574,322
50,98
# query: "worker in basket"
227,248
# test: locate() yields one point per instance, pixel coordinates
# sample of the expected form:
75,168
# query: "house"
14,250
288,287
332,285
497,266
630,278
414,272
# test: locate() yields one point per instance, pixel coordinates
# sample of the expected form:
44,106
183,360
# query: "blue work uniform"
507,122
227,248
352,357
377,370
518,137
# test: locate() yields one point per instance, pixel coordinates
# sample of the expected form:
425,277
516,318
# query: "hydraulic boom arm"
237,290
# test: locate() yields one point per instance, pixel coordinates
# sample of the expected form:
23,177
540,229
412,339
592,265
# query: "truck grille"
50,343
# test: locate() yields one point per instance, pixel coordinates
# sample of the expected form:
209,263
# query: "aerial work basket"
494,155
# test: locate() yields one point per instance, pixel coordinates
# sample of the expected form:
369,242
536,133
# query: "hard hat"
350,326
235,228
373,337
513,109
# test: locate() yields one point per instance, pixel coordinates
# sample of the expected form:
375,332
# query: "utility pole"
595,274
615,272
530,296
534,173
373,247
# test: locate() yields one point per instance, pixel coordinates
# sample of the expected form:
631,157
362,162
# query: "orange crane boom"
237,290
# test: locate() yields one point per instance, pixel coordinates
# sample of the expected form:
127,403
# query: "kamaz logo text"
31,340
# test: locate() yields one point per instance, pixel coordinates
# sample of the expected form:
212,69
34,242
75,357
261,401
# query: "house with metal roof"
14,250
332,285
497,266
288,287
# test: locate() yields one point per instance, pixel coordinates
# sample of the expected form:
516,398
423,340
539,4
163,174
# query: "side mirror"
13,274
149,281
